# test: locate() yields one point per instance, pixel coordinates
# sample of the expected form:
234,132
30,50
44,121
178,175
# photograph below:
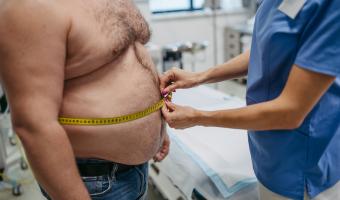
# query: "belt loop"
113,172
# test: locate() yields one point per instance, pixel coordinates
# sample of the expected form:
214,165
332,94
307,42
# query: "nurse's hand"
179,117
177,78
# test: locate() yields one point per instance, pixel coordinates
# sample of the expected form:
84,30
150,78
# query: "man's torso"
108,73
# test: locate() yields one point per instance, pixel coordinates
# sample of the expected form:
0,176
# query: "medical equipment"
206,163
172,57
251,6
193,48
237,39
10,152
173,54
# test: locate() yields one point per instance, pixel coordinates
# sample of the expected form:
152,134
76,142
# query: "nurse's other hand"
179,117
177,78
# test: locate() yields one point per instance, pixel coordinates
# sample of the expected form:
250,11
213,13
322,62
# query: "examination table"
206,163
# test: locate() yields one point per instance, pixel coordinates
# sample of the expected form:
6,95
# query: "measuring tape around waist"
114,120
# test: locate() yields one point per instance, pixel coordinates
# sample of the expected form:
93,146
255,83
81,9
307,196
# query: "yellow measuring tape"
114,120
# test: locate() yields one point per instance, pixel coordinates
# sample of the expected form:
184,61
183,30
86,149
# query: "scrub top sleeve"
320,43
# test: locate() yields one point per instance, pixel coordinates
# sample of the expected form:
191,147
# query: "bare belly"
121,87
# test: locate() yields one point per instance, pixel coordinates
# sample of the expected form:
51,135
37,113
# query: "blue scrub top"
287,162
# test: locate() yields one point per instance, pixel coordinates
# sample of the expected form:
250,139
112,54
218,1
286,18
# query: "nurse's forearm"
234,68
271,115
287,111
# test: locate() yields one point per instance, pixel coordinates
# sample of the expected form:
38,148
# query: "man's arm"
177,79
303,90
32,63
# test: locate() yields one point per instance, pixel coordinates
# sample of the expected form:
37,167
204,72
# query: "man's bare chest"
101,31
119,20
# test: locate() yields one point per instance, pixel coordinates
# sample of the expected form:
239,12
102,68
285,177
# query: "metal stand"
173,54
7,138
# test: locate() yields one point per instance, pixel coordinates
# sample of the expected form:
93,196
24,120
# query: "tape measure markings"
114,120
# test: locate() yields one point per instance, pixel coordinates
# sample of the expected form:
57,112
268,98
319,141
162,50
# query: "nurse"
293,98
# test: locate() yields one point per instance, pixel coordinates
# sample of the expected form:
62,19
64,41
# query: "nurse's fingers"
171,106
166,79
165,113
171,88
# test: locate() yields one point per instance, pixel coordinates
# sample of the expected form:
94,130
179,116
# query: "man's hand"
164,150
177,78
180,117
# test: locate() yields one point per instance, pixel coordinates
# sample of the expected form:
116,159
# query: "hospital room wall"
197,26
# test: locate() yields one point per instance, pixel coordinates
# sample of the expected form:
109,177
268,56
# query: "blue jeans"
130,185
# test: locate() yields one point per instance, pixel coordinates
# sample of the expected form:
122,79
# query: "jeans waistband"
97,167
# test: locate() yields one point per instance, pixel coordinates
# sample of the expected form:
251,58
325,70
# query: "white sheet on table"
185,174
201,97
223,154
